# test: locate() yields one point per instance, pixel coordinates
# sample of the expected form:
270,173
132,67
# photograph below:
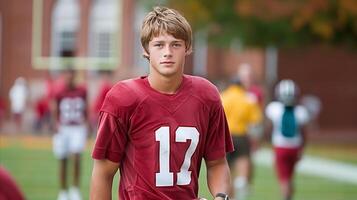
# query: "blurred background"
313,42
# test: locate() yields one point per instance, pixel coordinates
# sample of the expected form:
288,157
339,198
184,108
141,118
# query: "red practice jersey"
71,106
8,187
160,139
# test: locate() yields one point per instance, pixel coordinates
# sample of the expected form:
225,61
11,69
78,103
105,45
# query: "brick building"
40,36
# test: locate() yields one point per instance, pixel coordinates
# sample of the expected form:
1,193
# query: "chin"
169,73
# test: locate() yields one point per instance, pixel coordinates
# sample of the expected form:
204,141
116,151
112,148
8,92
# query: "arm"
218,176
255,126
305,119
303,138
268,129
102,179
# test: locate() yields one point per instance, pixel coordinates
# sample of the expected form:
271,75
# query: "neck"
166,85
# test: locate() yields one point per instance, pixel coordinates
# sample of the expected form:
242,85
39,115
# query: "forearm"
218,177
102,180
101,188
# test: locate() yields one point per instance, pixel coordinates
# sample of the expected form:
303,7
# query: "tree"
273,22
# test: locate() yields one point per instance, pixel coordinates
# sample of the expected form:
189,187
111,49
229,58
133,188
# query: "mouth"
167,63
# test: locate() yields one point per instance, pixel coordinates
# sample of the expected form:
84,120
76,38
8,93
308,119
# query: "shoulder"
302,113
204,89
122,97
274,108
274,105
251,99
124,92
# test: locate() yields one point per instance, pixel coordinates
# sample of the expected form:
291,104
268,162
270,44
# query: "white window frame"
102,34
39,61
65,25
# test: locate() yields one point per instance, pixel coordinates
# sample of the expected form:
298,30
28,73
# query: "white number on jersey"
182,134
72,110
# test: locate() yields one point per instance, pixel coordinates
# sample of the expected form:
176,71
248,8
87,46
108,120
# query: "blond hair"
165,20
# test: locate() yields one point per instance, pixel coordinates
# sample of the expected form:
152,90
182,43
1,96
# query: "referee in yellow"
244,118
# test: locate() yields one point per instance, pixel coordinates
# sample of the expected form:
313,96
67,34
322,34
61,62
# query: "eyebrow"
163,41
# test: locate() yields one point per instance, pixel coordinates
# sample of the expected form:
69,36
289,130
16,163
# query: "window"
103,33
65,24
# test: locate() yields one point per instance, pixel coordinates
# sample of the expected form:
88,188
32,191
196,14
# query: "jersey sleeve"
303,115
111,139
219,140
112,135
270,110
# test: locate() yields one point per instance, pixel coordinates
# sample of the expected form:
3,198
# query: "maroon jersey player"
70,139
157,129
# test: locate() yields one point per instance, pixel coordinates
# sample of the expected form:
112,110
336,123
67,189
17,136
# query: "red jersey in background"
71,106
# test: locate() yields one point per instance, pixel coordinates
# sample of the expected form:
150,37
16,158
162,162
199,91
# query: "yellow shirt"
241,110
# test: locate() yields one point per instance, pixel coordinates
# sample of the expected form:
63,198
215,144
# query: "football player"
244,118
70,110
288,133
157,129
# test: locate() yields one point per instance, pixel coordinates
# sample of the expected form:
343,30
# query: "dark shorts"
241,148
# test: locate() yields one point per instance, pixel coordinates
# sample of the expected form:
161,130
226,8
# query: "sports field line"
315,166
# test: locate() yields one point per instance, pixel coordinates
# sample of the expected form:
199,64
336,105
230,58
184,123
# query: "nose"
167,51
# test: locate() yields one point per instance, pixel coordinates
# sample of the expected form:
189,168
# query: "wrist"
221,196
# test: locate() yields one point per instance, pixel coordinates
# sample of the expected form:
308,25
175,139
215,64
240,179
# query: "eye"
177,45
158,45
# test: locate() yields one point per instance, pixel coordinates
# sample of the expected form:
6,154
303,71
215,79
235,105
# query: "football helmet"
287,92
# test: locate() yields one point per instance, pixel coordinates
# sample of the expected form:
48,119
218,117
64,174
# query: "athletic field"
31,162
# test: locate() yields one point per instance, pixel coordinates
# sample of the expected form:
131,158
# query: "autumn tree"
273,22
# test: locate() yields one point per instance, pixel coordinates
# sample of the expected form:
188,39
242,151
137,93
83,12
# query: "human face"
166,56
69,78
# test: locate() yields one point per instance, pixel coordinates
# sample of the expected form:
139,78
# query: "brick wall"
331,74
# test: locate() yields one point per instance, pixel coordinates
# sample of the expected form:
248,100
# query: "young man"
244,117
70,110
288,122
157,129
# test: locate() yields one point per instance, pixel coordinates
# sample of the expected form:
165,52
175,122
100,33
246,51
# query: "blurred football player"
247,78
70,110
18,96
288,133
156,129
244,117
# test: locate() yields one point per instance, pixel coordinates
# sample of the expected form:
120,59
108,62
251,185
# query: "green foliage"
273,22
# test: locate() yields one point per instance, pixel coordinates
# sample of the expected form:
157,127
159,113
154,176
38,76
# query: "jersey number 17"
164,177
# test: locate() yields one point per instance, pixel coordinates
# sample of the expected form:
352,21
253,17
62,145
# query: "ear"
188,51
146,54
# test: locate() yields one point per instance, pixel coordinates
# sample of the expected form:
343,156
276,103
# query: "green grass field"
35,169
